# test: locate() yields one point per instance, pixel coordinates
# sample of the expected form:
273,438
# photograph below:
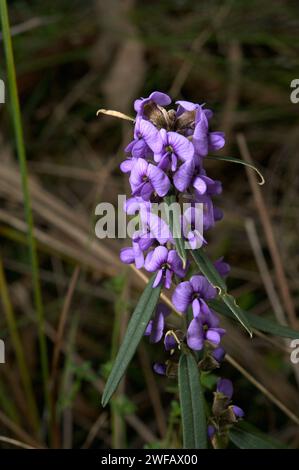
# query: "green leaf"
211,273
247,440
240,162
136,327
192,404
257,322
176,230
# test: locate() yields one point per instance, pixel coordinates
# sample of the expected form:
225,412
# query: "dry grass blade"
269,233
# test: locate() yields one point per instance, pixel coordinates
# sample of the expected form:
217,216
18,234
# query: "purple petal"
146,191
155,259
181,146
126,165
225,386
196,308
195,335
182,296
200,137
222,267
158,179
157,327
160,98
213,336
159,368
218,354
238,412
169,342
127,255
151,136
139,171
159,229
182,178
176,264
216,141
200,185
158,278
168,278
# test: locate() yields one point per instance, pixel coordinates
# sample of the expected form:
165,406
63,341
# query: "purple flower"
155,328
147,140
175,147
194,292
201,328
146,178
159,368
225,387
156,97
203,140
166,263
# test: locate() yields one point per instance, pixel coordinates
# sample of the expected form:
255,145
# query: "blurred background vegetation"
72,58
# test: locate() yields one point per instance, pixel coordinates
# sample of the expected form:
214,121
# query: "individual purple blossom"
155,327
202,328
203,140
194,292
175,147
147,140
156,97
146,178
166,263
135,254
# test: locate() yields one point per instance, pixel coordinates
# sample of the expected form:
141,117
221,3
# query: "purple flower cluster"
166,157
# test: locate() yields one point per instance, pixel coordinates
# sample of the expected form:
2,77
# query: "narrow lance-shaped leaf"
136,327
240,162
257,322
211,273
248,440
192,404
175,228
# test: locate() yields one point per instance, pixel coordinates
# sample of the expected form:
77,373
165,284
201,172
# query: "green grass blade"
136,327
240,162
257,322
211,273
18,129
192,404
19,350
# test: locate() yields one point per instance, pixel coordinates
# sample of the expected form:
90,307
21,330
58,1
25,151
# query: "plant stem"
20,147
19,351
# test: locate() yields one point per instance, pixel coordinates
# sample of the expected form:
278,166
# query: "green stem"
18,129
19,351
